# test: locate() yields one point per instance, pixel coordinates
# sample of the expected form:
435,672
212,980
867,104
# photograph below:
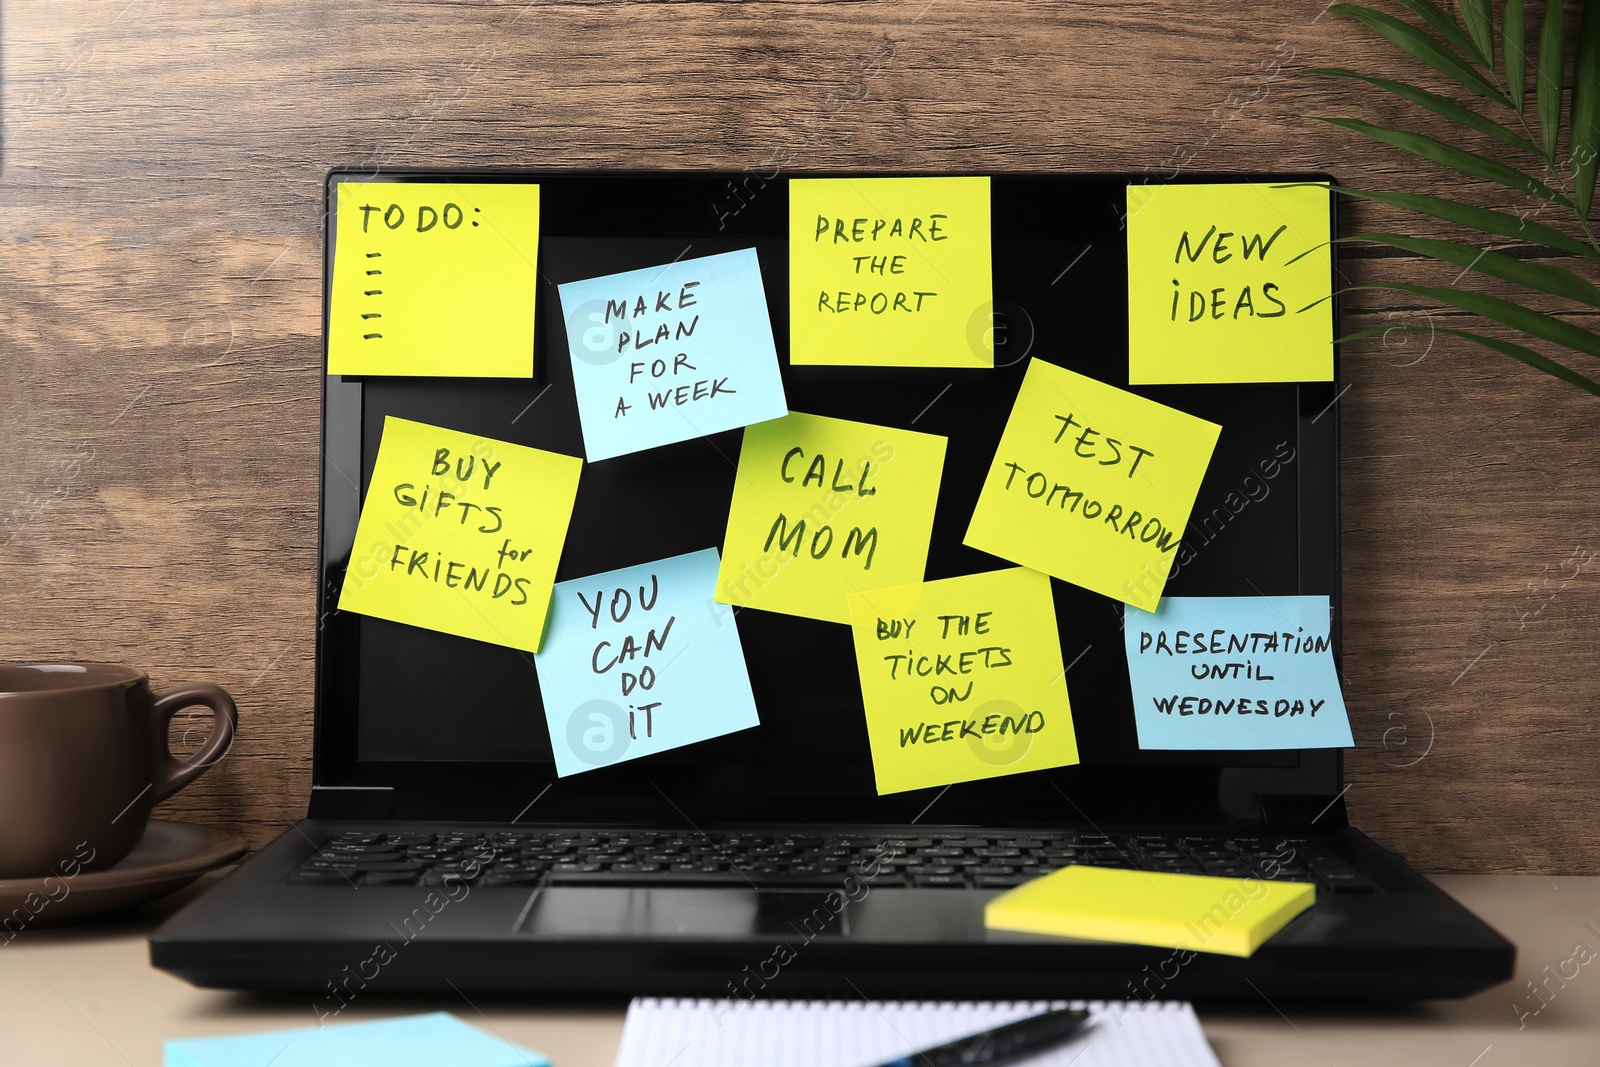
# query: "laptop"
442,851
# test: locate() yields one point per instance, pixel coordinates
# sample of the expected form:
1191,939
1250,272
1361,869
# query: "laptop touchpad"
605,911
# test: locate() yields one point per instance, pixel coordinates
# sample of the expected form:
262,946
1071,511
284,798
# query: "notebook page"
810,1033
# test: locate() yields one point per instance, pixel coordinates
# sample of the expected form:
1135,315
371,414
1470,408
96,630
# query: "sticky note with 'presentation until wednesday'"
823,508
890,272
1092,484
961,679
434,278
1229,283
641,660
461,534
1244,672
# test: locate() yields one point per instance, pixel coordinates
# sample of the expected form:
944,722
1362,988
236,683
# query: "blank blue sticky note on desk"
437,1040
672,352
1244,672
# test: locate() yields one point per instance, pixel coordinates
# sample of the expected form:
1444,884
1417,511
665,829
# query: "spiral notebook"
814,1033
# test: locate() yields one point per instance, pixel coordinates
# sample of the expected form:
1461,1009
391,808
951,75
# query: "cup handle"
174,773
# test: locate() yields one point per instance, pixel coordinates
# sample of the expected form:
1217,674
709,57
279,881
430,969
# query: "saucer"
168,857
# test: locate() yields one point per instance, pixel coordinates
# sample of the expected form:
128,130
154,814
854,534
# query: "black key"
1000,881
1027,842
994,869
930,868
306,877
999,852
940,853
354,838
390,877
513,879
575,868
939,881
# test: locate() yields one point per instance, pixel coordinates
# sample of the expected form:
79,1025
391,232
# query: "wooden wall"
160,190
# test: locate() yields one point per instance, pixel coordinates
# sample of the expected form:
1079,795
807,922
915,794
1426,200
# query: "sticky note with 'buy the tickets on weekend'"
961,679
1092,484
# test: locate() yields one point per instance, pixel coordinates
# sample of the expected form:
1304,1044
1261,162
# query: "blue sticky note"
1218,672
640,660
672,352
437,1040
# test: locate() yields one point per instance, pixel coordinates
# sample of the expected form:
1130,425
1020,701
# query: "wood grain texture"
160,191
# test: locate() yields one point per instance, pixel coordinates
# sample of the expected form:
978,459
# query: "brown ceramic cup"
84,757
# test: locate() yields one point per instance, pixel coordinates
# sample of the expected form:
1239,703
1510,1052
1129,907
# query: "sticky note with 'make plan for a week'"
1187,912
823,508
641,660
890,272
1212,293
961,679
671,352
1092,484
461,534
1239,672
434,278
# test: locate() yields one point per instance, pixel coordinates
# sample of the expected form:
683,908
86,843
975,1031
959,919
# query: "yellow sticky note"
434,279
1092,484
1212,294
823,508
1187,912
962,679
890,272
461,534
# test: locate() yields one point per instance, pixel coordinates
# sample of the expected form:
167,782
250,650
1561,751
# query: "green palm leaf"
1548,83
1535,323
1556,281
1478,218
1420,46
1445,26
1513,52
1586,108
1505,348
1455,158
1439,105
1480,23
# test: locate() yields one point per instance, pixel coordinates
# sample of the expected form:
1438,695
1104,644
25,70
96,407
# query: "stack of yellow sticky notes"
1232,916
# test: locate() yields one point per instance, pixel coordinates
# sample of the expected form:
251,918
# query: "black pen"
1002,1044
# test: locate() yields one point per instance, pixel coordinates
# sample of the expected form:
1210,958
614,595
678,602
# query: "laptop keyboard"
981,859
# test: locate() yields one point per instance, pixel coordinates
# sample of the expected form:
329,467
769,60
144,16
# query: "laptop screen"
443,726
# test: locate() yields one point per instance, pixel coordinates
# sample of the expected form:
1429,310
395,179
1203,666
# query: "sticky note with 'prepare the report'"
890,272
434,278
435,1040
1188,912
1229,283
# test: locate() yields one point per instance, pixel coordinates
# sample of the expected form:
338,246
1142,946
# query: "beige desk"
87,996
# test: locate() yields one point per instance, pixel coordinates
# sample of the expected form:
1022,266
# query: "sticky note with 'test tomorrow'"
1092,484
1248,672
890,272
1229,283
461,534
434,278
